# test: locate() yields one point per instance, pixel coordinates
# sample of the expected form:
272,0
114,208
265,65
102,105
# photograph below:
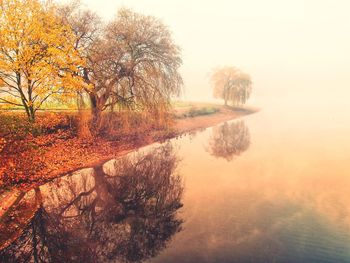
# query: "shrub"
193,112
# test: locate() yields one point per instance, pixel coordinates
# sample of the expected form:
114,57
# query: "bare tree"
132,62
144,59
88,30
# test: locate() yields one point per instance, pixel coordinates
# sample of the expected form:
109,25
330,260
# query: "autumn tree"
132,62
232,85
37,57
87,29
144,61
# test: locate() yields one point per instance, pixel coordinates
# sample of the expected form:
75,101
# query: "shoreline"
205,121
76,154
10,197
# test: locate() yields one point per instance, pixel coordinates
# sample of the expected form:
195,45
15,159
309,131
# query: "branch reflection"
124,211
229,140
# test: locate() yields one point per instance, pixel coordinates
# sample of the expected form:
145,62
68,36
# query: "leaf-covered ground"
34,153
31,154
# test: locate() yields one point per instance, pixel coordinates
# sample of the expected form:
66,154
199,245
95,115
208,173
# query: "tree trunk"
226,90
31,114
226,97
95,111
84,130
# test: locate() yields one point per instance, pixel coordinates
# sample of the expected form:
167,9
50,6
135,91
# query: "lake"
270,187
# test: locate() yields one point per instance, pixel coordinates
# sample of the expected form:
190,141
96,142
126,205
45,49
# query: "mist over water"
270,187
283,199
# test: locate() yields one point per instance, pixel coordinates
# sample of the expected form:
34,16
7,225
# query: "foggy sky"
290,48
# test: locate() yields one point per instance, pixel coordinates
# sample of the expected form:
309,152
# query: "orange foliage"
37,59
35,152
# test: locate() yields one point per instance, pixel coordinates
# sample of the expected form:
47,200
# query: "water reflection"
124,211
229,140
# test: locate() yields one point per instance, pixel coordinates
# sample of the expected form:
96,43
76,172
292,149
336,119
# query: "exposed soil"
205,121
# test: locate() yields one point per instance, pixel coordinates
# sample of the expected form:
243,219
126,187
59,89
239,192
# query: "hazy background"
296,51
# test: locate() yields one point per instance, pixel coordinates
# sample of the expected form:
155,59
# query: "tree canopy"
146,60
37,57
132,61
56,51
232,85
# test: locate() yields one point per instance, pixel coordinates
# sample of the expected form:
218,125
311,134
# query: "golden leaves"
37,54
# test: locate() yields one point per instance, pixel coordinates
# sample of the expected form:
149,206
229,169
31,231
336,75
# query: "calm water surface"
270,187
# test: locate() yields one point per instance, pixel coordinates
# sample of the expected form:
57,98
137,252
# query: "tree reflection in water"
123,213
229,140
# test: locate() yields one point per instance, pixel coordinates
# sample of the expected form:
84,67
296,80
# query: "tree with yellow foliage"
37,56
